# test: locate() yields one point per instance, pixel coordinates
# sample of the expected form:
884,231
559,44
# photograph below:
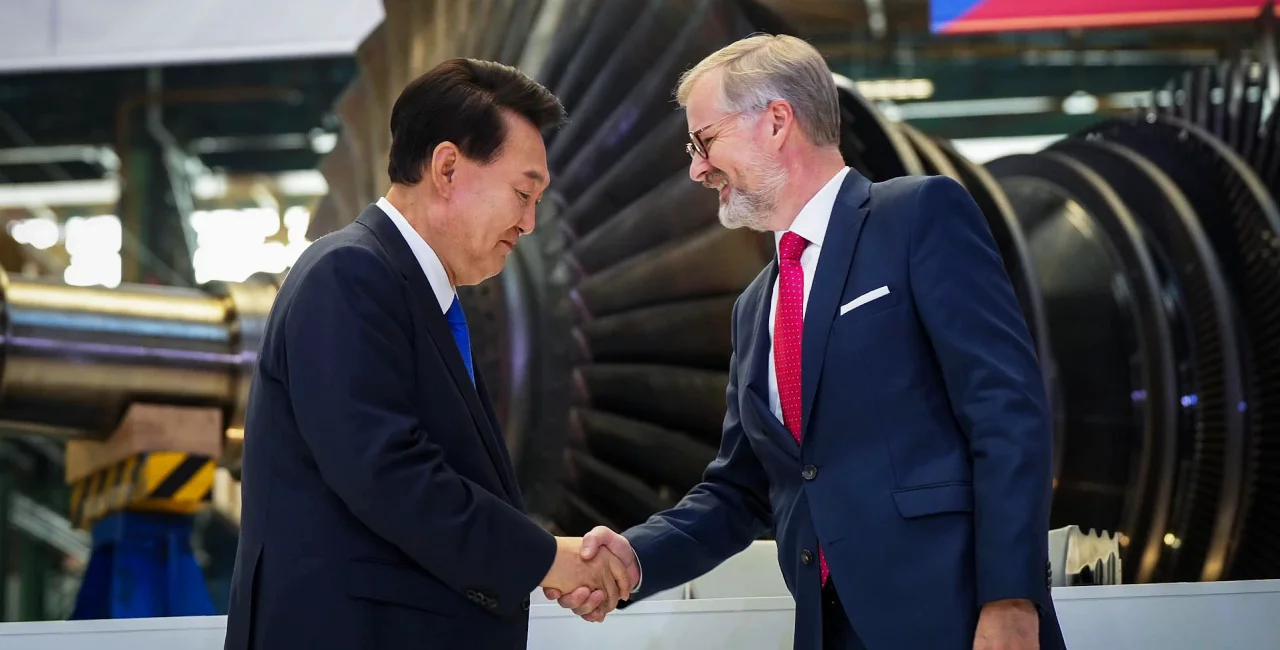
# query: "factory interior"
162,165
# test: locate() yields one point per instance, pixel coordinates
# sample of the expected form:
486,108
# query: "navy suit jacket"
924,471
380,508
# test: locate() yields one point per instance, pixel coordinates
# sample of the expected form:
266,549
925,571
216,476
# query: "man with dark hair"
380,507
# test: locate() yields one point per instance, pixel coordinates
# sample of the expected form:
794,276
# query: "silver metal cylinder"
74,358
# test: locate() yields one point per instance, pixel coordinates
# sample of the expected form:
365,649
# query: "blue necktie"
458,326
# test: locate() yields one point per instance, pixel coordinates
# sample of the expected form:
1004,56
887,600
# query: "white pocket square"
863,299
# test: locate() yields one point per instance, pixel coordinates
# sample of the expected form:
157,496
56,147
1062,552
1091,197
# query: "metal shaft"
74,358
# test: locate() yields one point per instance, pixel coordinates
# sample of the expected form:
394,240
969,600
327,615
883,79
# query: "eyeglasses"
696,144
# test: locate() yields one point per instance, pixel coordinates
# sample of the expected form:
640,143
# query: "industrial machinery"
76,358
1142,250
78,364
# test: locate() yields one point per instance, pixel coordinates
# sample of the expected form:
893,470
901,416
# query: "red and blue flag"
974,16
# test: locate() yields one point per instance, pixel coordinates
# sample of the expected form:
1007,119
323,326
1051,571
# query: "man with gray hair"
886,416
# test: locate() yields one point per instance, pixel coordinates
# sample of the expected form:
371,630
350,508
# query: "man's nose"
698,168
528,221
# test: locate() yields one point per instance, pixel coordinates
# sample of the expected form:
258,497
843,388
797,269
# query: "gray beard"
752,208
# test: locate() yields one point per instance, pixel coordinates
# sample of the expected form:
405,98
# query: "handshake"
591,574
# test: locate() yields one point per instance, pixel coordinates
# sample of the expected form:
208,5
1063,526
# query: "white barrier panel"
718,624
710,613
1203,616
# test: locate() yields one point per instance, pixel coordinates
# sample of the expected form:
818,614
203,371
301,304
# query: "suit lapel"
398,249
758,355
847,217
757,364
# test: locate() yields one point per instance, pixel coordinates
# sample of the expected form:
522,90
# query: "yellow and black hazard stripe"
157,481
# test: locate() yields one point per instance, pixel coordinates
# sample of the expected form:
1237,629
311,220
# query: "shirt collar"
427,258
812,221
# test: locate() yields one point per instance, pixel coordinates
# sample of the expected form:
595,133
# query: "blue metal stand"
142,566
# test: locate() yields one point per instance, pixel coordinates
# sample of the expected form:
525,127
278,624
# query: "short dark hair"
460,101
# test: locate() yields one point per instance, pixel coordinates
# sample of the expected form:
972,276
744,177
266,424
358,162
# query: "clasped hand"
591,603
600,574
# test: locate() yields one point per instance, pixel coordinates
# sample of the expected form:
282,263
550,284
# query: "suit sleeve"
993,380
350,373
717,519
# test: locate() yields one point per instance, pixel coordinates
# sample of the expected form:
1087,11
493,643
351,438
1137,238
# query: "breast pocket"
869,303
869,317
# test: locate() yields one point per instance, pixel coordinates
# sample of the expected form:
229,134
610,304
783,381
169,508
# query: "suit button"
809,472
524,604
806,557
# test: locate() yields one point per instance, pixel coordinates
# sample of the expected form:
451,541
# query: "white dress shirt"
427,258
811,224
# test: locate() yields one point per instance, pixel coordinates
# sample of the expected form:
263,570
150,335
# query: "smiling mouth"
722,188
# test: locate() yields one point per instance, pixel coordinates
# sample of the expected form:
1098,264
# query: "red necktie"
788,328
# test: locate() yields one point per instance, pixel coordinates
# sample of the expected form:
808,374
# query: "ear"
443,167
780,119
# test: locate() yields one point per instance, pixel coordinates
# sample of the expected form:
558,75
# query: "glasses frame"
695,145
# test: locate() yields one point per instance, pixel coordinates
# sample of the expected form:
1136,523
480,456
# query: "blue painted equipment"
142,566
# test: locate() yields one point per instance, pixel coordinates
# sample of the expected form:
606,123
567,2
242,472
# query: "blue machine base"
142,566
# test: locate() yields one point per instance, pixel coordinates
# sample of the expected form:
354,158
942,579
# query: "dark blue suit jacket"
924,471
380,508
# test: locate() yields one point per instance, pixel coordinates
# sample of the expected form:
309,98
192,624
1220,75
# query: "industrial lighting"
103,156
322,142
94,193
895,89
92,243
984,150
207,187
94,246
40,234
301,182
977,107
1080,103
305,182
232,245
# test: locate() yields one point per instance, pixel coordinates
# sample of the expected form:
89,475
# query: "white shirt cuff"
641,580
